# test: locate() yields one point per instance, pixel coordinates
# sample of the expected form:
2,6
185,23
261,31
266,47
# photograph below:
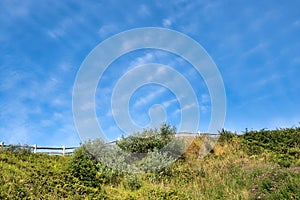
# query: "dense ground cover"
256,165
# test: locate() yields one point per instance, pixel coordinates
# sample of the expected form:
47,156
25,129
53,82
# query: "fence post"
34,148
199,133
2,145
63,150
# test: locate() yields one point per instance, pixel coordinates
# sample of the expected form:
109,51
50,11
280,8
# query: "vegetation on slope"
24,175
256,165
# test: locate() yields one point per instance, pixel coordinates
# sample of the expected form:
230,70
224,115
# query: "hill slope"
257,165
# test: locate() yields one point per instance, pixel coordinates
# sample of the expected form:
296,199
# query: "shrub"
108,175
22,149
226,136
133,182
90,164
155,161
282,144
148,140
83,166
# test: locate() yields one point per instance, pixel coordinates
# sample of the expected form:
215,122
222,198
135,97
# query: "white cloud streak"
147,99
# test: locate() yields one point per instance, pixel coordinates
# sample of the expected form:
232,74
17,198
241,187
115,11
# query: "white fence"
62,151
40,149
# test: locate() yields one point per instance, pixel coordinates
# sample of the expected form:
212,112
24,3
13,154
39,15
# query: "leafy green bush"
91,171
155,161
148,140
283,144
39,176
153,149
107,175
22,149
226,136
133,182
83,166
110,158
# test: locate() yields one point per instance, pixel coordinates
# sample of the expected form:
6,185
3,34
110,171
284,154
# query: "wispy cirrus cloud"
144,100
108,29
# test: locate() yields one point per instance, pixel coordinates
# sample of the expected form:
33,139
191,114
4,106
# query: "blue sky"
255,45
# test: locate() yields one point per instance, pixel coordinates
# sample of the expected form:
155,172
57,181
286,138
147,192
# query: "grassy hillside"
256,165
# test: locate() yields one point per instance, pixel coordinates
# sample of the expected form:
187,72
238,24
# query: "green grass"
250,166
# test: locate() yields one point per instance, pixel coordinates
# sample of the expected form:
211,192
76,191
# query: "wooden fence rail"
69,150
37,149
